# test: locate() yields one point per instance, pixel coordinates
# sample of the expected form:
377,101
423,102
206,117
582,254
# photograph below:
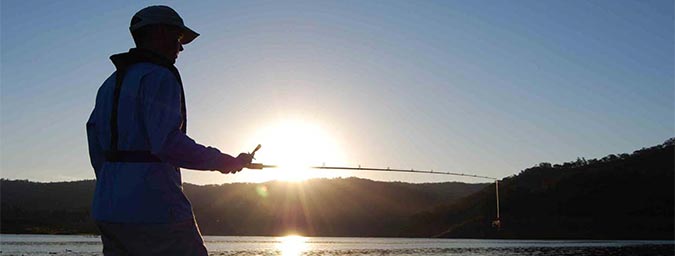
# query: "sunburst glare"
294,146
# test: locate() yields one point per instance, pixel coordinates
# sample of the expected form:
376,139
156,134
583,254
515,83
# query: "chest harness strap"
135,156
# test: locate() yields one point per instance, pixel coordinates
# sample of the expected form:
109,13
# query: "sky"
480,87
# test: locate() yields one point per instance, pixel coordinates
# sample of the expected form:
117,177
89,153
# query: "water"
34,245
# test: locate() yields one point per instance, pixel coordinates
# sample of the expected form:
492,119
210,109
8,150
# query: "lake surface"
33,245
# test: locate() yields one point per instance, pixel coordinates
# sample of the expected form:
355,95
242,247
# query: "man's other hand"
242,160
245,159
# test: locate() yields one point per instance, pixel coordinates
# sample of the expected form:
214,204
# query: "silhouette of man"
137,143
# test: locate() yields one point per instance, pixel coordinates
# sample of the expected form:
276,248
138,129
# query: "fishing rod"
400,170
260,166
496,223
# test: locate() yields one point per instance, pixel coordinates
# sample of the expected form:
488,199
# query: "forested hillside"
626,196
345,207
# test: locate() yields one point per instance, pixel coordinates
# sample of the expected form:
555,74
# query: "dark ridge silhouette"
46,208
321,207
626,196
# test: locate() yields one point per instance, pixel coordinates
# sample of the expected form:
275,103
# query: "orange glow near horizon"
294,146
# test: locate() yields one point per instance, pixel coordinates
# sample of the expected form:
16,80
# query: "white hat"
160,14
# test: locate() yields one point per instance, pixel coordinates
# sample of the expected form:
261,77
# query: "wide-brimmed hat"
160,14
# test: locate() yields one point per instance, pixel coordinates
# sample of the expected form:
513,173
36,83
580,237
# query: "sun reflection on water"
292,245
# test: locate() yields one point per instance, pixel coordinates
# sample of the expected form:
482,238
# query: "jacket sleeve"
162,118
95,151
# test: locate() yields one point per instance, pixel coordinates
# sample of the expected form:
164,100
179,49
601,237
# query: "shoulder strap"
122,62
114,155
119,76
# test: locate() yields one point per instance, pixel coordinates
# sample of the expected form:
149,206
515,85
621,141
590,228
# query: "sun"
294,146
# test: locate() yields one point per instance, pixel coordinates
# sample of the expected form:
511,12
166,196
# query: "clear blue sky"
486,87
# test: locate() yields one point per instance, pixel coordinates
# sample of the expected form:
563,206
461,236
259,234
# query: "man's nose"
180,47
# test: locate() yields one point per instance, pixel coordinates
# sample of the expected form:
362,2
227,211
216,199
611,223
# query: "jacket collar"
122,61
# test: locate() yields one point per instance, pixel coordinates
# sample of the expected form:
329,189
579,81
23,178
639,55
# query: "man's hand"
243,160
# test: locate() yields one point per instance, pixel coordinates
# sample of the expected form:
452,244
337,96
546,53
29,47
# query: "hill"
322,207
46,208
626,196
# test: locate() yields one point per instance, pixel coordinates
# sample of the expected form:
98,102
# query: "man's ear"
162,31
157,36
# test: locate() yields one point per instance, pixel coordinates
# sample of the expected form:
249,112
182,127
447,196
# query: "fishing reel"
497,224
258,166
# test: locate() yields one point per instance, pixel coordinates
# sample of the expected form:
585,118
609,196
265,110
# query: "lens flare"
261,190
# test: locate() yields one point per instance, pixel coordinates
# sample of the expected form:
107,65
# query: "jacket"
151,117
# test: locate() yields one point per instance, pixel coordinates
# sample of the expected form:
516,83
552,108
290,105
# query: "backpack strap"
115,155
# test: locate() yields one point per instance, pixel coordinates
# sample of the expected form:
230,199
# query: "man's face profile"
168,41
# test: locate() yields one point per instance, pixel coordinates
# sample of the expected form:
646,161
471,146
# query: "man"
138,141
